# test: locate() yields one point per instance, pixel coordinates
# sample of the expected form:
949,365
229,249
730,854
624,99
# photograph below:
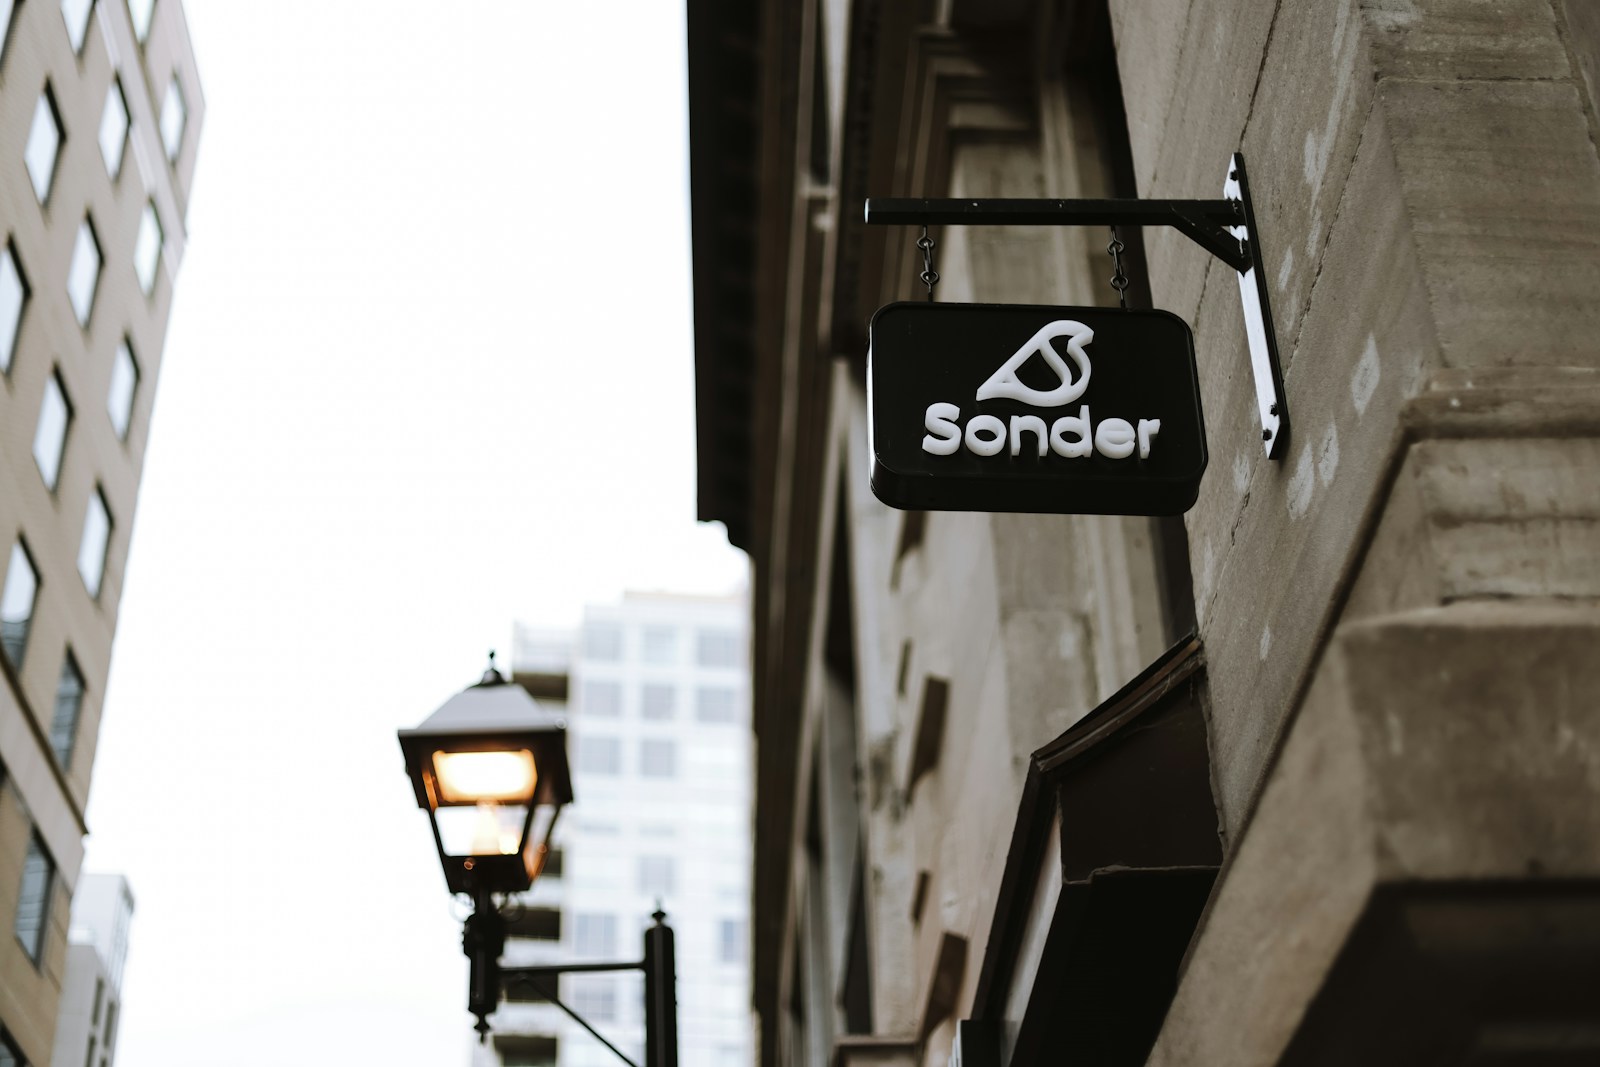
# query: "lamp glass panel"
469,777
484,829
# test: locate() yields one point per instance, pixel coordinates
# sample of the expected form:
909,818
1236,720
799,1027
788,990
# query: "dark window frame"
54,484
22,305
35,952
64,735
49,95
33,607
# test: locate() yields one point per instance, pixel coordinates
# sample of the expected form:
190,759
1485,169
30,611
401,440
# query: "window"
730,940
16,603
656,701
602,699
84,272
658,757
88,1060
602,641
50,438
656,876
715,703
96,537
44,144
114,128
99,998
533,922
593,997
659,644
554,863
594,935
599,755
147,248
111,1024
525,1050
33,903
124,385
13,298
173,116
717,648
76,14
64,723
140,11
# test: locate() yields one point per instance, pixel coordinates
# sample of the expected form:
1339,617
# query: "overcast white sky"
428,372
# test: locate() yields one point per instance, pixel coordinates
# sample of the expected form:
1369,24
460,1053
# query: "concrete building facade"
1306,776
100,117
659,737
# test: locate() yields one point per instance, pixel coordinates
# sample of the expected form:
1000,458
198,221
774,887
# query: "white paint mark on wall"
1328,456
1364,382
1301,485
1266,642
1204,579
1393,15
1241,474
1310,160
1319,147
1285,268
1397,734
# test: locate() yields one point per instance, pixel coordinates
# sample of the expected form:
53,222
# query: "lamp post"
490,769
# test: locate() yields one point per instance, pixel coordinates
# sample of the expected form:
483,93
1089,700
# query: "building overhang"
1114,853
725,82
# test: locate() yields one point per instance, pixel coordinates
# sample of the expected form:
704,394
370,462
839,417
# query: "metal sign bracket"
1226,228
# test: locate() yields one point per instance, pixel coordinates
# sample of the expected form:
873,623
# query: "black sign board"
1005,407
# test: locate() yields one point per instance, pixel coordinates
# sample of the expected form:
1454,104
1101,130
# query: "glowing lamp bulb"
471,777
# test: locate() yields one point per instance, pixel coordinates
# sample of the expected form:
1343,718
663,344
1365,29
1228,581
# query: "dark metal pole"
483,938
660,995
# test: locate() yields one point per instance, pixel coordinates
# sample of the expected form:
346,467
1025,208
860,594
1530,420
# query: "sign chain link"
929,276
1119,280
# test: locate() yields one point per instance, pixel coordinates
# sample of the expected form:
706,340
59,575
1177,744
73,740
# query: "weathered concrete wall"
1399,618
1393,615
1429,198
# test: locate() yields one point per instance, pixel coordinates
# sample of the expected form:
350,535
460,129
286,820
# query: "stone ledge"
1449,749
1507,402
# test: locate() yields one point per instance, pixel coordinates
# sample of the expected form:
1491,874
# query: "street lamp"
490,768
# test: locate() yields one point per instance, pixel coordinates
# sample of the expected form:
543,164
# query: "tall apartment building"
1308,775
91,991
100,115
660,748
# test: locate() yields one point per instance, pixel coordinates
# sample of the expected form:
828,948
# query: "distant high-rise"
659,727
100,116
91,988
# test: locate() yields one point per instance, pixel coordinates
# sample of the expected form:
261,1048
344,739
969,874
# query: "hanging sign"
1005,407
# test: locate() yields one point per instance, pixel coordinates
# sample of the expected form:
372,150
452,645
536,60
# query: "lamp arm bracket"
1226,228
522,974
556,970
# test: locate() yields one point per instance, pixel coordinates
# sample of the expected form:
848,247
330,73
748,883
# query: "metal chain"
1119,280
929,276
